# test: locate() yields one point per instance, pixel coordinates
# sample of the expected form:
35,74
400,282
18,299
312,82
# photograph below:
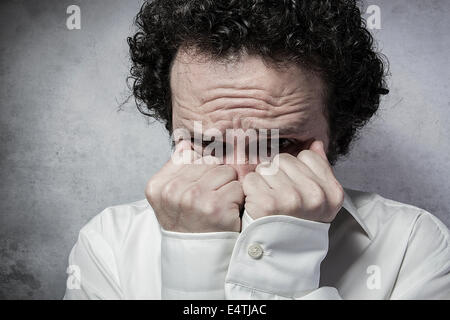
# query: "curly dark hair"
326,36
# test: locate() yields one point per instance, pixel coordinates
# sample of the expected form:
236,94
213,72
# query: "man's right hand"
195,197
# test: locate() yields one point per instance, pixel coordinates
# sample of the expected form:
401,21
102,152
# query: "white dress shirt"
376,248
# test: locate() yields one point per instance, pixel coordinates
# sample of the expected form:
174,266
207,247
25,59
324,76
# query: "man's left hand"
304,187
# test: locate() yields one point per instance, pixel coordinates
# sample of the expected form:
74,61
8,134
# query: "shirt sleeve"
194,265
425,269
278,257
92,271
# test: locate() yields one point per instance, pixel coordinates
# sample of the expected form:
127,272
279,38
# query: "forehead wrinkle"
287,104
210,94
234,91
247,95
248,73
238,104
302,95
236,115
292,125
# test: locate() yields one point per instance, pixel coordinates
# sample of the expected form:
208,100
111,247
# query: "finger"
312,187
304,180
294,168
193,172
315,159
188,153
183,154
187,163
309,190
232,193
255,184
318,199
208,160
277,181
318,147
217,177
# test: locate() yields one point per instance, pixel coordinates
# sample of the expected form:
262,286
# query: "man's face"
249,94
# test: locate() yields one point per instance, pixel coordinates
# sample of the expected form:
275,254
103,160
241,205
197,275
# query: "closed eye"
292,146
285,143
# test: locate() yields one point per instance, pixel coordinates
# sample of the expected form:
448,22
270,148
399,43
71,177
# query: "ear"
317,147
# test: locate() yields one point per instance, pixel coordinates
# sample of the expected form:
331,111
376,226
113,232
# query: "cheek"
316,129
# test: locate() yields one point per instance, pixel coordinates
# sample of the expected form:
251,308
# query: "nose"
243,169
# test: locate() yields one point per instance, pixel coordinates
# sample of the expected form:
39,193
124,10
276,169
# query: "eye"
285,143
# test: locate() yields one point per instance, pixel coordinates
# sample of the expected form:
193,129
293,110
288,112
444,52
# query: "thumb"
317,147
183,145
184,153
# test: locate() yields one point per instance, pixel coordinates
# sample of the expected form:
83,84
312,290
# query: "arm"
289,267
194,265
92,269
289,264
425,269
293,201
197,206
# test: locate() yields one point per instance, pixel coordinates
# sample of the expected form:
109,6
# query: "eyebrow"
289,131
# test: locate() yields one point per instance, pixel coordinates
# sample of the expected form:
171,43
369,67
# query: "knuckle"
261,166
293,200
235,185
251,177
284,156
210,161
339,194
210,208
190,196
248,182
152,189
304,155
169,188
317,196
270,204
228,171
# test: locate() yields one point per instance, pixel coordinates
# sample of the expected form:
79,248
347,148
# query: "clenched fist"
303,186
203,196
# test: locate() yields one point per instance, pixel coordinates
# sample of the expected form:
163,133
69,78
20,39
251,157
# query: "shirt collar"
349,206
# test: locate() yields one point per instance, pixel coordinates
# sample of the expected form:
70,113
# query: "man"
213,227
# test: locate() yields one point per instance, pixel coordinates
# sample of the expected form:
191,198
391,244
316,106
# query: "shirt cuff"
246,220
279,255
194,265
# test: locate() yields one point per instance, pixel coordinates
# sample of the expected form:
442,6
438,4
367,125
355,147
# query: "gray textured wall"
67,153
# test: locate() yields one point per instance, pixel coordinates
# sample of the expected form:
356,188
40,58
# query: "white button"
255,251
